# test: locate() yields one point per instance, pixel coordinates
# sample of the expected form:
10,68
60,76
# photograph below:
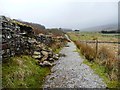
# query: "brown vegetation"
86,50
104,57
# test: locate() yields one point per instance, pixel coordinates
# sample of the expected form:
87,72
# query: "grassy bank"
23,72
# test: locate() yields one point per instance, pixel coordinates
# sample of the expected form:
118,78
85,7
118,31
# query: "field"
100,50
92,36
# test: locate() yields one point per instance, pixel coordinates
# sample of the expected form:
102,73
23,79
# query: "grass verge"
23,72
101,71
58,50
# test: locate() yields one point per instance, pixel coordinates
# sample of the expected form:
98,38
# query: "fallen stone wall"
18,39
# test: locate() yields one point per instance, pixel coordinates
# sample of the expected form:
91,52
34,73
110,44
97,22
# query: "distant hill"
56,31
37,28
110,27
66,29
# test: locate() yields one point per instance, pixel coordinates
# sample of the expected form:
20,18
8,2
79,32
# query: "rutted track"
70,72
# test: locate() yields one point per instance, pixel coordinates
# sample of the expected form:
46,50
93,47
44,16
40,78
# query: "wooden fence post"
96,49
86,43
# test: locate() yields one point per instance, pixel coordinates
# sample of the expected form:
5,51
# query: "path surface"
70,72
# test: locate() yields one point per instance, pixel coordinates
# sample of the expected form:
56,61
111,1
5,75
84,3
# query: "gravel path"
70,72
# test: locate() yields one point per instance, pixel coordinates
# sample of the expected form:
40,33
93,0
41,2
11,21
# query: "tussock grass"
86,50
107,59
105,65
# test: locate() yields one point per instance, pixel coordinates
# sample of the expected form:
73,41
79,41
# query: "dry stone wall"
14,38
18,39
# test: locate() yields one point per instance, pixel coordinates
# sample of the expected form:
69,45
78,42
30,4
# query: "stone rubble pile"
45,56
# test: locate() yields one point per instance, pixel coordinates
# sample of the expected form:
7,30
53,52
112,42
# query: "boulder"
36,53
45,53
45,63
66,45
50,54
36,56
50,50
51,59
43,58
62,55
56,56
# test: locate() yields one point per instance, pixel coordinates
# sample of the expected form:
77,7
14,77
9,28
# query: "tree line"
112,31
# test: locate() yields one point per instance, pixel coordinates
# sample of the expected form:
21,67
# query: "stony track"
70,72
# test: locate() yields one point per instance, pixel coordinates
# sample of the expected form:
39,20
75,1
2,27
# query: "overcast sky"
74,14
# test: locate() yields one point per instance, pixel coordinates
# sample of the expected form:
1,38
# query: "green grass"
57,50
23,72
72,36
91,36
102,72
